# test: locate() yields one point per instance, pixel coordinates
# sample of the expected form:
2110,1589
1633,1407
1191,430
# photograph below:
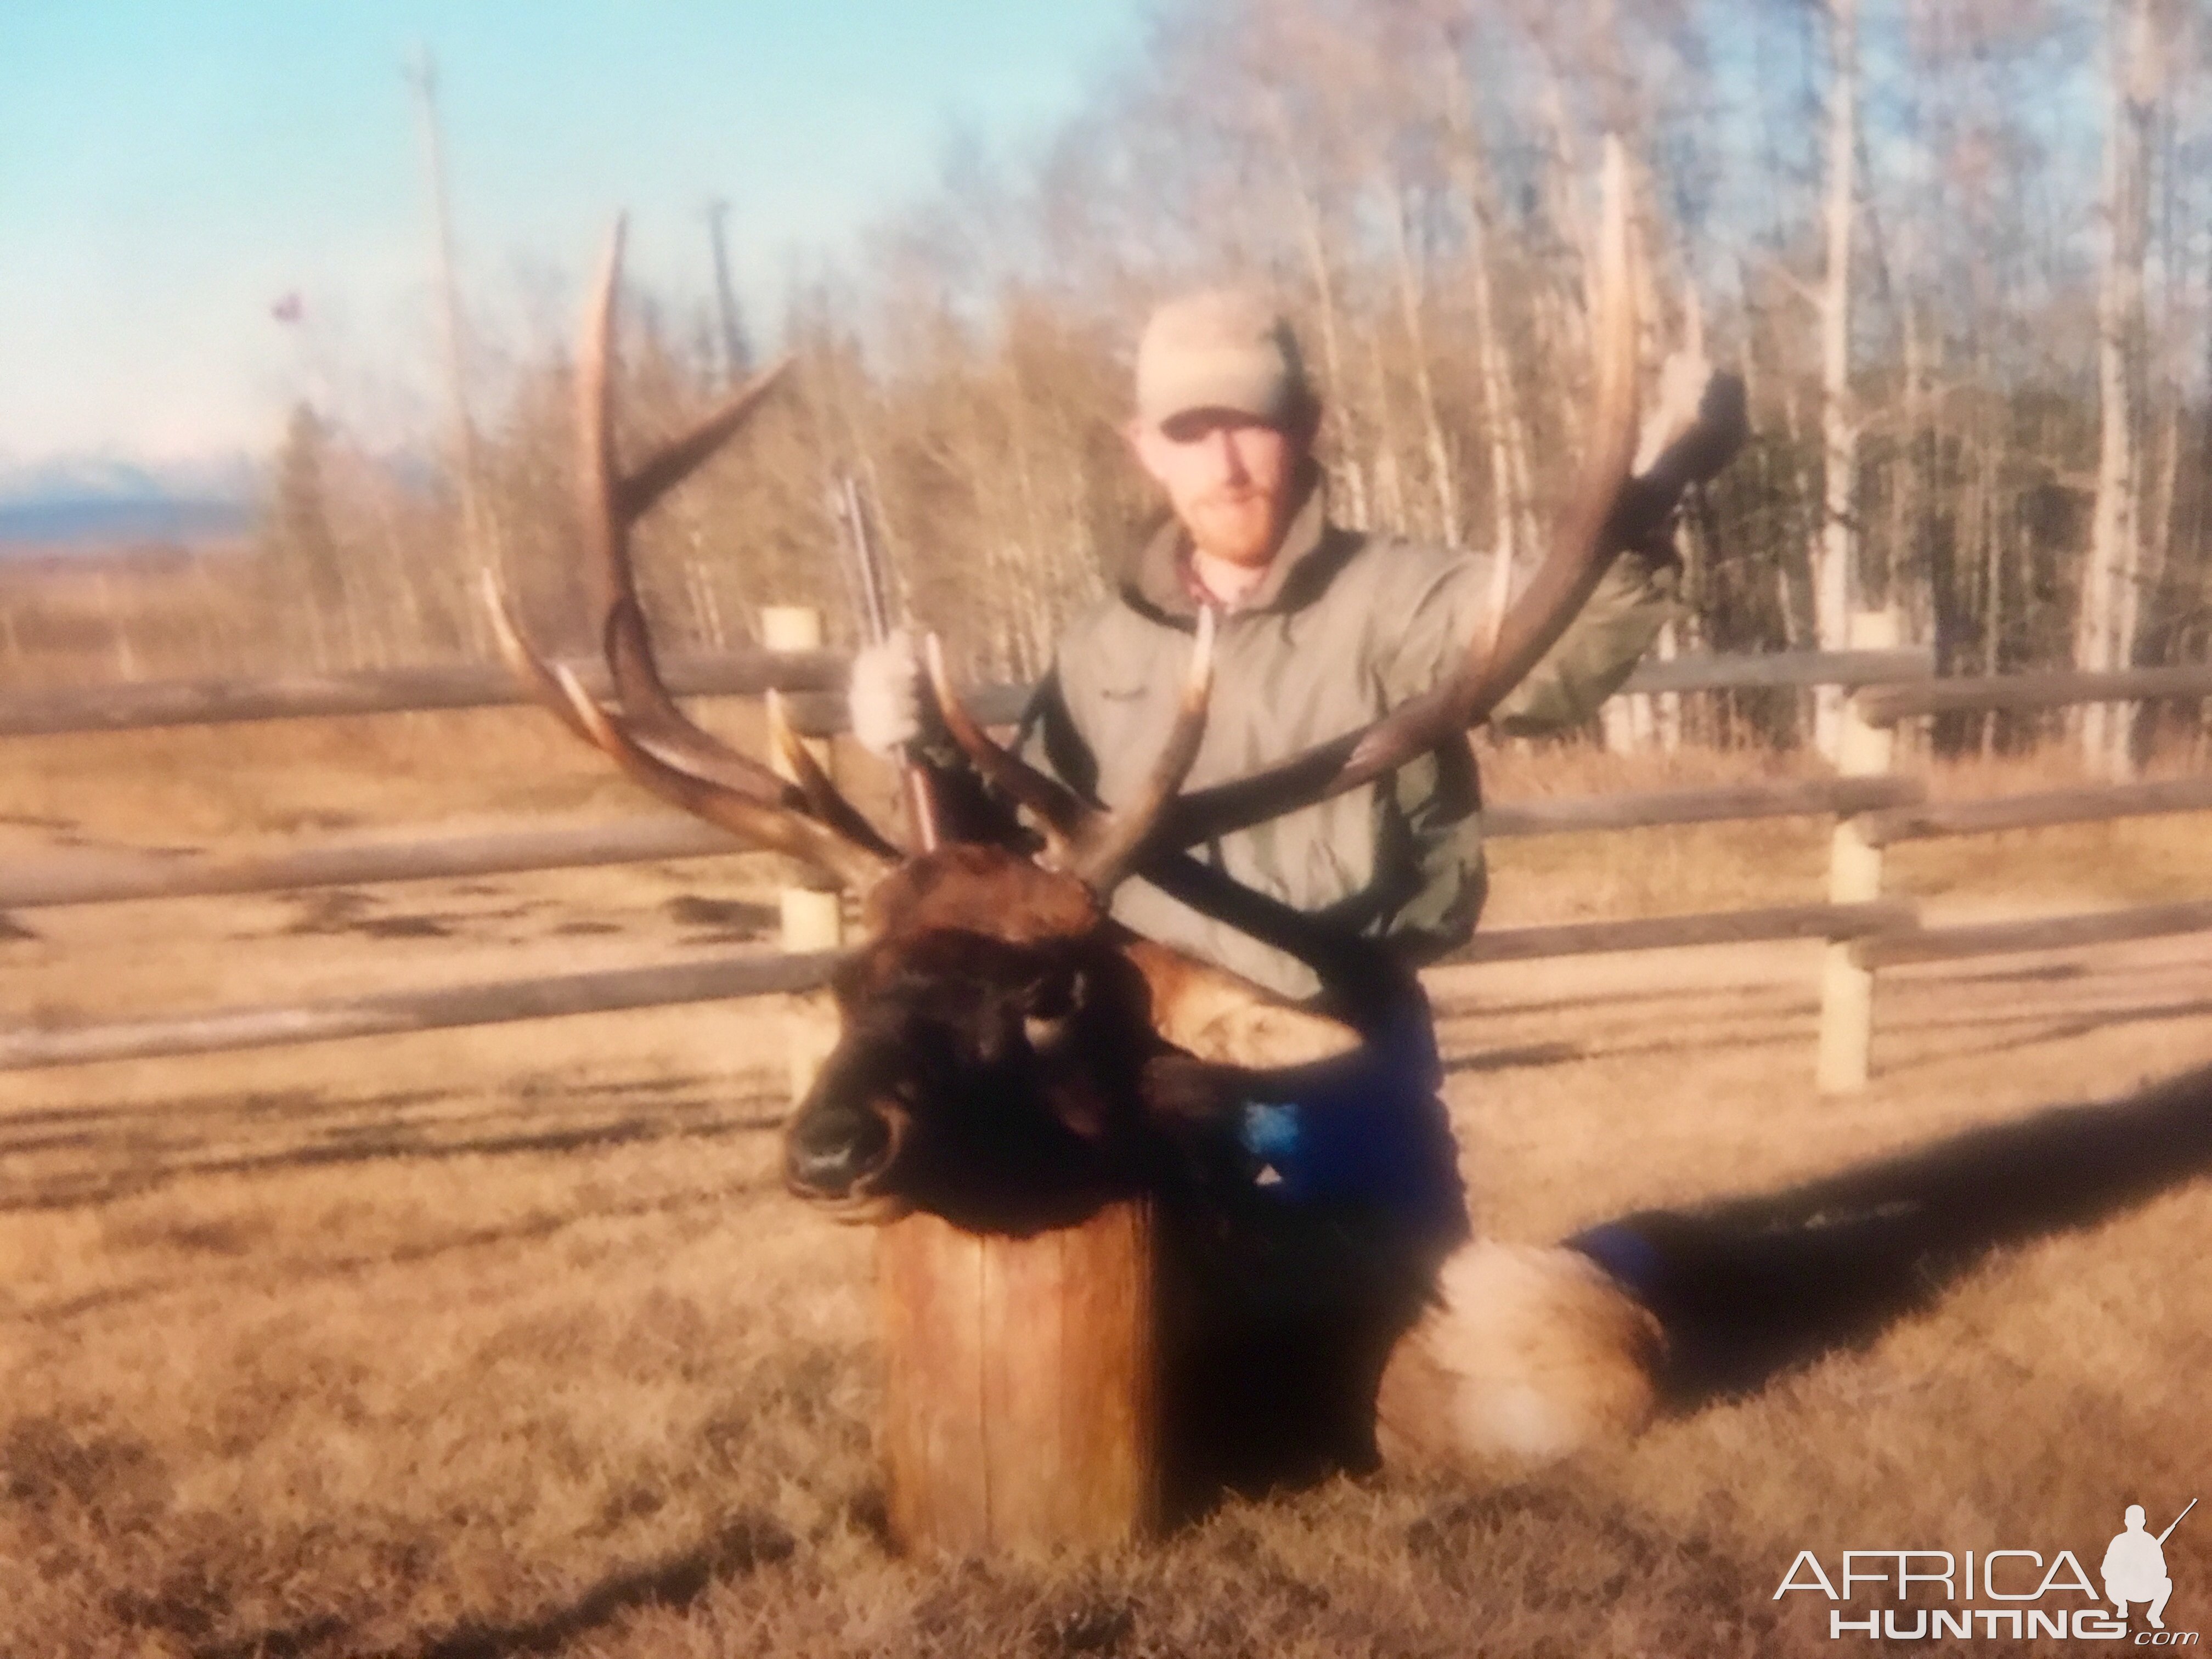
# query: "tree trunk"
2105,618
1411,305
1832,577
1505,440
1312,240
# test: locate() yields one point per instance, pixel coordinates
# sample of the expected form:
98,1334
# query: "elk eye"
1049,1013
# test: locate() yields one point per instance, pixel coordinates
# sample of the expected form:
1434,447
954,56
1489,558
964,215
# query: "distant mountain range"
98,501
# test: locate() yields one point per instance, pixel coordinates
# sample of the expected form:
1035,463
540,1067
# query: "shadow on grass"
1506,1060
748,1543
2059,1026
1769,997
373,1143
293,1273
2042,1025
260,1102
1539,1054
1750,1287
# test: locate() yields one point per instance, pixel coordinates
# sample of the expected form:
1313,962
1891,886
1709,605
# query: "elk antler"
1590,533
648,734
1587,539
1099,847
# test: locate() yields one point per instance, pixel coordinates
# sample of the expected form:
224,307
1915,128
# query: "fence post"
813,917
1854,878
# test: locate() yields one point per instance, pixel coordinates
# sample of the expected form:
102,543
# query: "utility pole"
423,76
736,355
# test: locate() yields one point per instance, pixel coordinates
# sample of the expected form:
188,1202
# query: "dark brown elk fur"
1002,1061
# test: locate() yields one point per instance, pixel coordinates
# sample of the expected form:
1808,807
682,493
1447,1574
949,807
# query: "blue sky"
168,170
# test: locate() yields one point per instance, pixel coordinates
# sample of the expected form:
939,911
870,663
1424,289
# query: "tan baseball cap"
1220,349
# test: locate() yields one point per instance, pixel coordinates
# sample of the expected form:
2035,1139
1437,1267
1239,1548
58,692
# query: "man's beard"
1238,525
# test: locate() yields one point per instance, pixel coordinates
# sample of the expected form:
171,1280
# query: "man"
1322,630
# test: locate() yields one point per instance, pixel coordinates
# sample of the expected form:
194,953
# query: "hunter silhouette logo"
2135,1566
2018,1594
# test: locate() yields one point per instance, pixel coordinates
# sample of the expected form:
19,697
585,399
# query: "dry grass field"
506,1341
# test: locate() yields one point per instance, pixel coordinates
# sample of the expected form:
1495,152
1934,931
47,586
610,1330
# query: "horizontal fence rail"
1002,705
1783,669
102,877
1995,938
1884,705
223,1031
1649,809
1787,921
1921,820
133,705
145,704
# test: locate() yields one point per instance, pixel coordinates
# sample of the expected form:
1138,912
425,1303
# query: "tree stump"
1022,1387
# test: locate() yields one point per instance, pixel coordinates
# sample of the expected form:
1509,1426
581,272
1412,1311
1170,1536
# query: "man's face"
1230,478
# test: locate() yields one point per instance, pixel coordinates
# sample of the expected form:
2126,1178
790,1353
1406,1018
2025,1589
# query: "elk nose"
833,1147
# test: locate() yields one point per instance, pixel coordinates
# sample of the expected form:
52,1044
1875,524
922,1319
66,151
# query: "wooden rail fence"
140,705
1871,807
108,876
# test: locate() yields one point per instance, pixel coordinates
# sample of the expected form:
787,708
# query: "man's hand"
884,697
1695,424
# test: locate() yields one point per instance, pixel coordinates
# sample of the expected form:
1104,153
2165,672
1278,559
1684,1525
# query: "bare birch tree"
1834,561
2108,608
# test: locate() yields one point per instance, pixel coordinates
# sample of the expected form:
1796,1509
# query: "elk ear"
1228,1020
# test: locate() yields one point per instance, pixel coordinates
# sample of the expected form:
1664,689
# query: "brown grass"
76,615
1718,866
494,1342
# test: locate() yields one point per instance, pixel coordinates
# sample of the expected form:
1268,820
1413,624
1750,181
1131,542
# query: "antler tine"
1099,849
653,719
522,659
1062,817
617,499
1116,844
822,796
773,825
598,476
709,764
1588,537
609,506
682,455
1592,530
776,828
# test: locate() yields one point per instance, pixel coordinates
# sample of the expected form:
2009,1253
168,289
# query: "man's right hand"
884,697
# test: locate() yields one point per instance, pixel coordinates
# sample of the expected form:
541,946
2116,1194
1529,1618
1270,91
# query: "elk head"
1007,1054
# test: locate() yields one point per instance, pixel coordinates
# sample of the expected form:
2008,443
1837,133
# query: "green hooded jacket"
1345,627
